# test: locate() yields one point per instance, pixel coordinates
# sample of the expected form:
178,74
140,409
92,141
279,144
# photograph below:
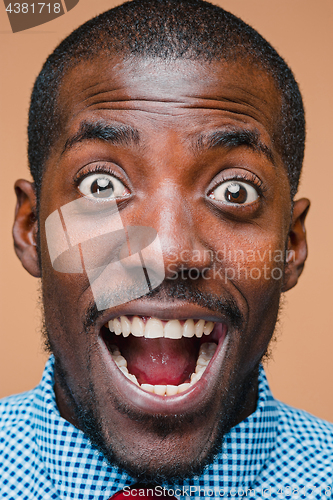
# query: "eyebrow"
113,134
127,135
234,138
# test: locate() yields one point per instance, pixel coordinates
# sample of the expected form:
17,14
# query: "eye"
102,186
235,192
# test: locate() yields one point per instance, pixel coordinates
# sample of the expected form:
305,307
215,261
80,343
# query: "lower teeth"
206,353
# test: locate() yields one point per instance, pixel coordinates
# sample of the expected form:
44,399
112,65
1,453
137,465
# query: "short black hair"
167,29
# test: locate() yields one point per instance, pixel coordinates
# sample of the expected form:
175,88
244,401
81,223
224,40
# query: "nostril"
189,265
193,261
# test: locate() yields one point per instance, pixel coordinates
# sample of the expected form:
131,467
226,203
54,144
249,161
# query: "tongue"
160,361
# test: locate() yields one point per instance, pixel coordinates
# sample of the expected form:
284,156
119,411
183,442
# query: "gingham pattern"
277,452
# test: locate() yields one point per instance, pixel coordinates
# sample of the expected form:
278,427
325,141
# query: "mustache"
168,292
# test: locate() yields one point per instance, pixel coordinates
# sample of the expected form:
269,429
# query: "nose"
177,220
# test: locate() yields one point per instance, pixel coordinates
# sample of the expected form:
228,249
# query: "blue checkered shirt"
277,452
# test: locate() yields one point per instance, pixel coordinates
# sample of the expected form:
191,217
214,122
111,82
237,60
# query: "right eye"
103,186
235,192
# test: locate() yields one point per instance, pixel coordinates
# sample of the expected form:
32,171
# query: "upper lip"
162,310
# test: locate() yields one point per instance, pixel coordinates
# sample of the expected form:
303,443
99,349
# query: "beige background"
301,370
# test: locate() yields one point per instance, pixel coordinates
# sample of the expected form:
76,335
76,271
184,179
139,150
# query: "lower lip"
186,401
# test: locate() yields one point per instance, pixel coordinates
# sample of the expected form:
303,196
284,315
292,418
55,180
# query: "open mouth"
163,357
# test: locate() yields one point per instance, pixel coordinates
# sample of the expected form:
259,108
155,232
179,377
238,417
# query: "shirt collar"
73,465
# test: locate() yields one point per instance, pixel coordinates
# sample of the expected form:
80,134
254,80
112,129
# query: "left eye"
102,186
235,192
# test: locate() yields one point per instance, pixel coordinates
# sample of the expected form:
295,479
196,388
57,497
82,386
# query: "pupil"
102,188
235,192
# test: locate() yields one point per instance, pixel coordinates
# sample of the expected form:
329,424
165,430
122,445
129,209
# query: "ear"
26,226
297,245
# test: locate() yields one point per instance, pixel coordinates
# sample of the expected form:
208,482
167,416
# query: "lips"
163,357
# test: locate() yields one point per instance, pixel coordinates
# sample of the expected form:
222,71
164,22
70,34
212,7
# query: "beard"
90,423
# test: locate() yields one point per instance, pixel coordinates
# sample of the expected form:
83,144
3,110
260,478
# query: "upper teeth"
154,328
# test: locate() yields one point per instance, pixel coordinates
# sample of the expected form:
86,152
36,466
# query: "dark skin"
170,186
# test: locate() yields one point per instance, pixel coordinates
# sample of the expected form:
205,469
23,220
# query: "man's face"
201,168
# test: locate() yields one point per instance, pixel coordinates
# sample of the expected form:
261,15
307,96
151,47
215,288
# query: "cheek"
252,255
257,267
253,268
65,306
66,299
65,285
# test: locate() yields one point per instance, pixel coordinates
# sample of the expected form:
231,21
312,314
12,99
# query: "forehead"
161,94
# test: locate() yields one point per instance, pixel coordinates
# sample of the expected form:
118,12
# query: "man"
162,132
